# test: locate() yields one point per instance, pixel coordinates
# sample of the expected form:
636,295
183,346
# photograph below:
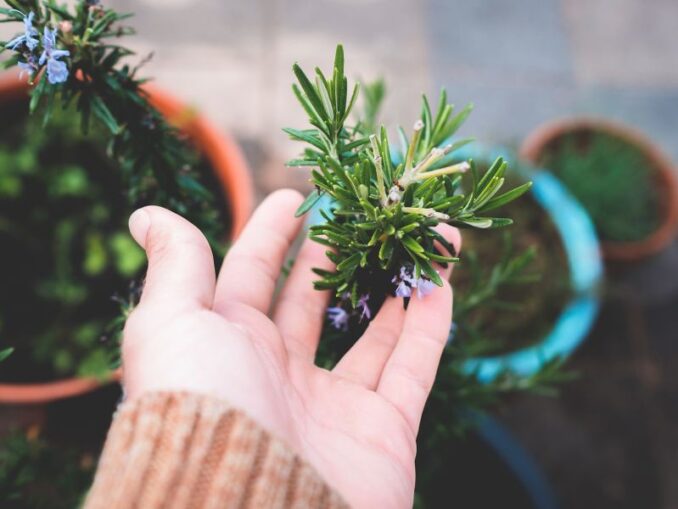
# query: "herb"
73,59
612,178
380,226
379,232
512,287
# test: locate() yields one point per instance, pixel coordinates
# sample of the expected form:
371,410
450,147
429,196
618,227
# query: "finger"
180,264
300,310
410,371
252,266
364,362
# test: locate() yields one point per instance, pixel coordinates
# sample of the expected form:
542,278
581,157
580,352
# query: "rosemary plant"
379,230
380,226
72,58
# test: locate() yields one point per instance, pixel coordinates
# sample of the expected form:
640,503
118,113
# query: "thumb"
180,264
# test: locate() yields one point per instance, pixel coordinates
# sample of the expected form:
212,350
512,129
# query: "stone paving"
521,63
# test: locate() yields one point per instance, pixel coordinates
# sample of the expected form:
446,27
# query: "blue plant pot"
585,268
519,461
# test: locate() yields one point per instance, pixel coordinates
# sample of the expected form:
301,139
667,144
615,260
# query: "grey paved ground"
521,63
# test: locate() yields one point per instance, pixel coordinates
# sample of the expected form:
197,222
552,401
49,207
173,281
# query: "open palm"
356,424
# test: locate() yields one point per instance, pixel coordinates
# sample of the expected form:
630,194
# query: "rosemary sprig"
380,226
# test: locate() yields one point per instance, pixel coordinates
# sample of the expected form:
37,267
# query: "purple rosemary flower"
364,308
57,71
338,317
407,275
30,66
424,287
29,38
403,289
404,282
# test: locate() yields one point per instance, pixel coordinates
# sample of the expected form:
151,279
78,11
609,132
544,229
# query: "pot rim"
624,251
232,171
581,246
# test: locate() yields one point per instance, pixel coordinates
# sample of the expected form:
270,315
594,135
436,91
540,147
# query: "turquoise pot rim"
586,272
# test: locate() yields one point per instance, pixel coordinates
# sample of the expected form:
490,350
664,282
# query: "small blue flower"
404,282
57,71
424,287
30,66
338,317
403,289
364,308
29,38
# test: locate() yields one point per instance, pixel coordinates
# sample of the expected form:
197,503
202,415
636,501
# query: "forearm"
184,450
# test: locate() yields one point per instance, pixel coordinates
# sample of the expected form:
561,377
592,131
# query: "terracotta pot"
228,162
533,148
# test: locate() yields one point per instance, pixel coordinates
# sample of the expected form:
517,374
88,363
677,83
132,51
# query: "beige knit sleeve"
179,450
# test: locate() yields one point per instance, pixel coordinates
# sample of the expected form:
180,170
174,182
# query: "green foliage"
483,289
381,219
382,214
511,287
373,97
66,248
5,353
157,163
37,474
612,178
383,211
65,197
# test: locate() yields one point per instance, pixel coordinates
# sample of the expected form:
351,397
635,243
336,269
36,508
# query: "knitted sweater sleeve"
180,450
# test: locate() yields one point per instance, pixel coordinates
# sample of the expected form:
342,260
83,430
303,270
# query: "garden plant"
93,149
612,178
504,317
621,176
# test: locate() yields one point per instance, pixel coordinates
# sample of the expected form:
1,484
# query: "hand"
356,424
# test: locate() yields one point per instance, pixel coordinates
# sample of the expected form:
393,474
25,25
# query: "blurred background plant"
612,178
91,76
66,248
512,286
37,473
68,185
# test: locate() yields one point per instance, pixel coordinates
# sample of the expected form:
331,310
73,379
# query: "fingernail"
139,223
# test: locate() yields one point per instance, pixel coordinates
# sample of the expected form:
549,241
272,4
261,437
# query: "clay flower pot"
535,145
227,161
